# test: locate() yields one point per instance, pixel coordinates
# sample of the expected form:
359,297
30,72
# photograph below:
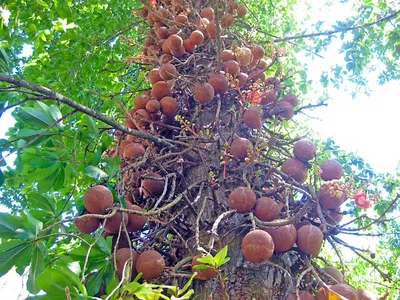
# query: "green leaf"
220,256
133,287
37,266
13,227
112,165
95,172
2,177
55,279
208,259
13,253
202,267
42,3
188,284
95,281
35,117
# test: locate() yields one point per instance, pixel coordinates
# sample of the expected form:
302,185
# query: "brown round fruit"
153,106
257,246
169,106
227,55
304,295
304,150
335,273
268,97
231,67
181,19
141,118
196,37
244,56
345,290
189,47
331,169
242,79
207,13
292,99
122,256
284,237
258,52
252,118
202,274
113,224
212,30
87,225
243,199
151,264
141,101
153,187
227,20
168,71
309,239
204,93
241,11
241,148
175,42
97,199
295,169
160,90
219,82
284,109
267,209
135,222
133,150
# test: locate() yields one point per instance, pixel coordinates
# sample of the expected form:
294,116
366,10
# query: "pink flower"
360,199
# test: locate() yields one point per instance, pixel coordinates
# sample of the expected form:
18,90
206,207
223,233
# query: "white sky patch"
5,14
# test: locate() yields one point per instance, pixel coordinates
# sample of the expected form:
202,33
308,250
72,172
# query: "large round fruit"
284,109
169,106
122,256
168,71
87,225
331,169
135,222
295,169
304,150
160,90
243,199
252,118
284,237
345,290
309,239
113,224
219,82
231,67
97,199
331,199
133,150
150,263
202,274
241,148
257,246
267,209
153,187
292,99
204,93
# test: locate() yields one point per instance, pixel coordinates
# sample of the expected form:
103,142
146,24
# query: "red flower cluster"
360,198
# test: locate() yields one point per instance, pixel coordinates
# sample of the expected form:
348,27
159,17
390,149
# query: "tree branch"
325,33
90,112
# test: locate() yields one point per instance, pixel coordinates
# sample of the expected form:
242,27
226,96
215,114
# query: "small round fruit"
284,109
151,264
227,20
252,118
141,118
331,169
241,11
153,106
212,30
169,106
304,295
242,79
87,225
227,55
168,71
175,42
122,256
257,246
202,274
231,67
268,97
258,52
189,47
304,150
267,209
196,37
295,169
309,239
152,187
262,64
160,90
241,148
219,82
204,93
141,101
243,199
335,273
135,222
244,56
133,150
207,13
113,224
284,237
292,99
181,19
97,199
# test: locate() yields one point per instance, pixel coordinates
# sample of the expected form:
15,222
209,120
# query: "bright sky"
365,125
